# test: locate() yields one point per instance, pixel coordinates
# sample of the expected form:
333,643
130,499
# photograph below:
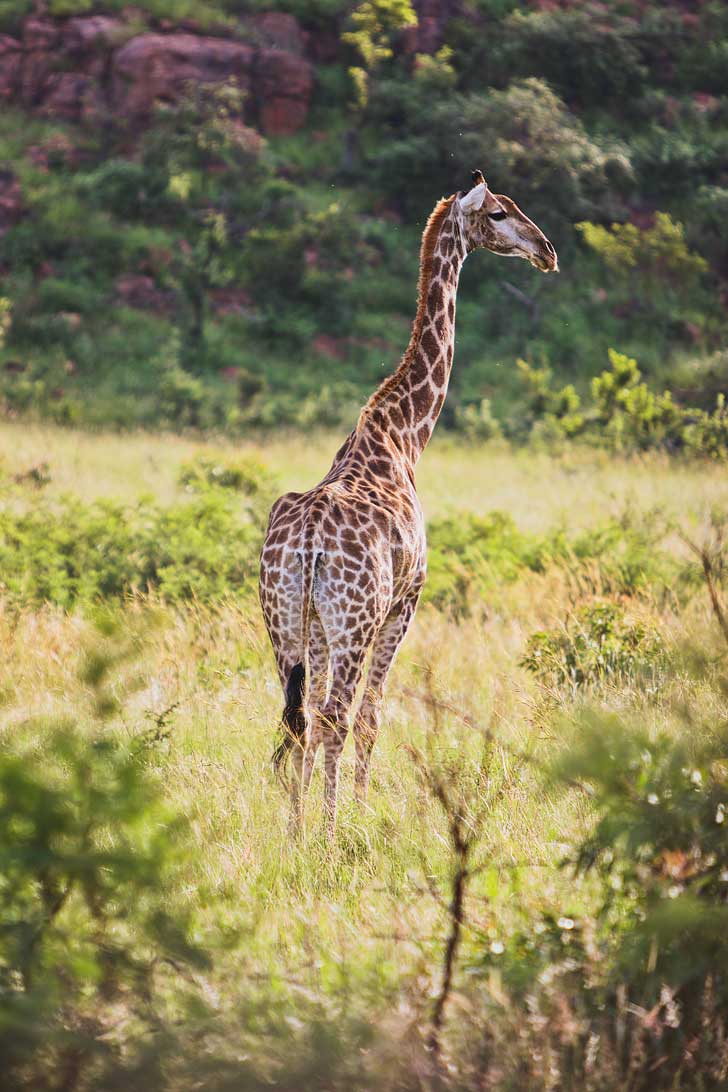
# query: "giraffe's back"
369,550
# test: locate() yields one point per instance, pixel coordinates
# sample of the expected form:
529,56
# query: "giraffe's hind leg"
304,756
368,717
347,665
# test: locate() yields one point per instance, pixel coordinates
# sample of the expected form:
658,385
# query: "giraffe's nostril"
550,249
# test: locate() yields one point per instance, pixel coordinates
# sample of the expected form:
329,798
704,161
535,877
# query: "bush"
183,398
71,553
559,409
477,422
580,52
600,644
89,907
469,556
524,132
658,253
625,413
659,849
244,474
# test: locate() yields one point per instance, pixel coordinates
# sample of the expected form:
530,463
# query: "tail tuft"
294,719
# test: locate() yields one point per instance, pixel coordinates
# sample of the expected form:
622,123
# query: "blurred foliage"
207,548
92,920
373,24
198,239
599,643
625,413
470,556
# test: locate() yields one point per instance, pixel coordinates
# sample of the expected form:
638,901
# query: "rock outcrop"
89,67
11,201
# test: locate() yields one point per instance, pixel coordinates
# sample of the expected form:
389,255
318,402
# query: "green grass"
306,937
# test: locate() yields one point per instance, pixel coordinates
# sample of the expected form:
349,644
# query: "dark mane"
429,241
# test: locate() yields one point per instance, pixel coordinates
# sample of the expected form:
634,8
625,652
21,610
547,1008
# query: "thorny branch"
464,817
711,557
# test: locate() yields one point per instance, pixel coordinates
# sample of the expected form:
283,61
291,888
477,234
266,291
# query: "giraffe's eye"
497,215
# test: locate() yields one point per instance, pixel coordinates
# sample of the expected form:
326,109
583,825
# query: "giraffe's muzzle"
547,260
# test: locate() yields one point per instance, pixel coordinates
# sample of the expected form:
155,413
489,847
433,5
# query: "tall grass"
326,964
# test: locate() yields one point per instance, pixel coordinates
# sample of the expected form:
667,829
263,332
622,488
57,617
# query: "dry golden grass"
577,488
362,912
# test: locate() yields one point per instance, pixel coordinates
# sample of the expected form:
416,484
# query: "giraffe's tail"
294,717
294,720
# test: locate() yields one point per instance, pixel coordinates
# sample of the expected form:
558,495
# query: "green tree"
374,24
212,182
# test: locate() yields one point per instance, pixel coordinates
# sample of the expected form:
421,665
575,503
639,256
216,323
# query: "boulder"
11,66
11,201
41,38
86,34
157,67
283,85
71,96
82,69
88,42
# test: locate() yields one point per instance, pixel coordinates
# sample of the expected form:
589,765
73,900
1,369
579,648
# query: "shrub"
89,913
71,553
557,408
183,398
631,414
523,132
477,422
599,644
245,474
469,556
706,434
580,52
659,849
658,252
625,413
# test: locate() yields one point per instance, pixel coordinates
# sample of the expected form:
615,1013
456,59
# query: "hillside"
210,212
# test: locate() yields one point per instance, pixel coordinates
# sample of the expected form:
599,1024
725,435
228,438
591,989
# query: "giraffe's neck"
407,405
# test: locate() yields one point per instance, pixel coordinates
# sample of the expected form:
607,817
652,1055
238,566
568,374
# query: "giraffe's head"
494,221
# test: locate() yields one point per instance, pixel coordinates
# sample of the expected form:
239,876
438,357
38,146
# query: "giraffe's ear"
473,200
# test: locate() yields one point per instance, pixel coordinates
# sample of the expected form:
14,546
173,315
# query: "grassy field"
325,963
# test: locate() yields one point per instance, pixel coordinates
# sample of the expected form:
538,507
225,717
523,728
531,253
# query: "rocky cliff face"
87,68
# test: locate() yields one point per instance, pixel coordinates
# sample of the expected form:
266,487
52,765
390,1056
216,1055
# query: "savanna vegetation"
191,273
535,897
191,314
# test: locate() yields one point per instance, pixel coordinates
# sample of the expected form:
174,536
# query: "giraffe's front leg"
368,717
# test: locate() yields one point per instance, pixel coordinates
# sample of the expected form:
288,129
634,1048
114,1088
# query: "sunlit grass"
360,919
577,487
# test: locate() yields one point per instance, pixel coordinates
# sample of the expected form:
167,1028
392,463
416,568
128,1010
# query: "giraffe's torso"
365,526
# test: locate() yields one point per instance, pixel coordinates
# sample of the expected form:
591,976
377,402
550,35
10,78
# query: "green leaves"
659,252
73,554
600,643
89,899
374,23
625,413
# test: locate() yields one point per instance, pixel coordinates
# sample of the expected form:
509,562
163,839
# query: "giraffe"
343,565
